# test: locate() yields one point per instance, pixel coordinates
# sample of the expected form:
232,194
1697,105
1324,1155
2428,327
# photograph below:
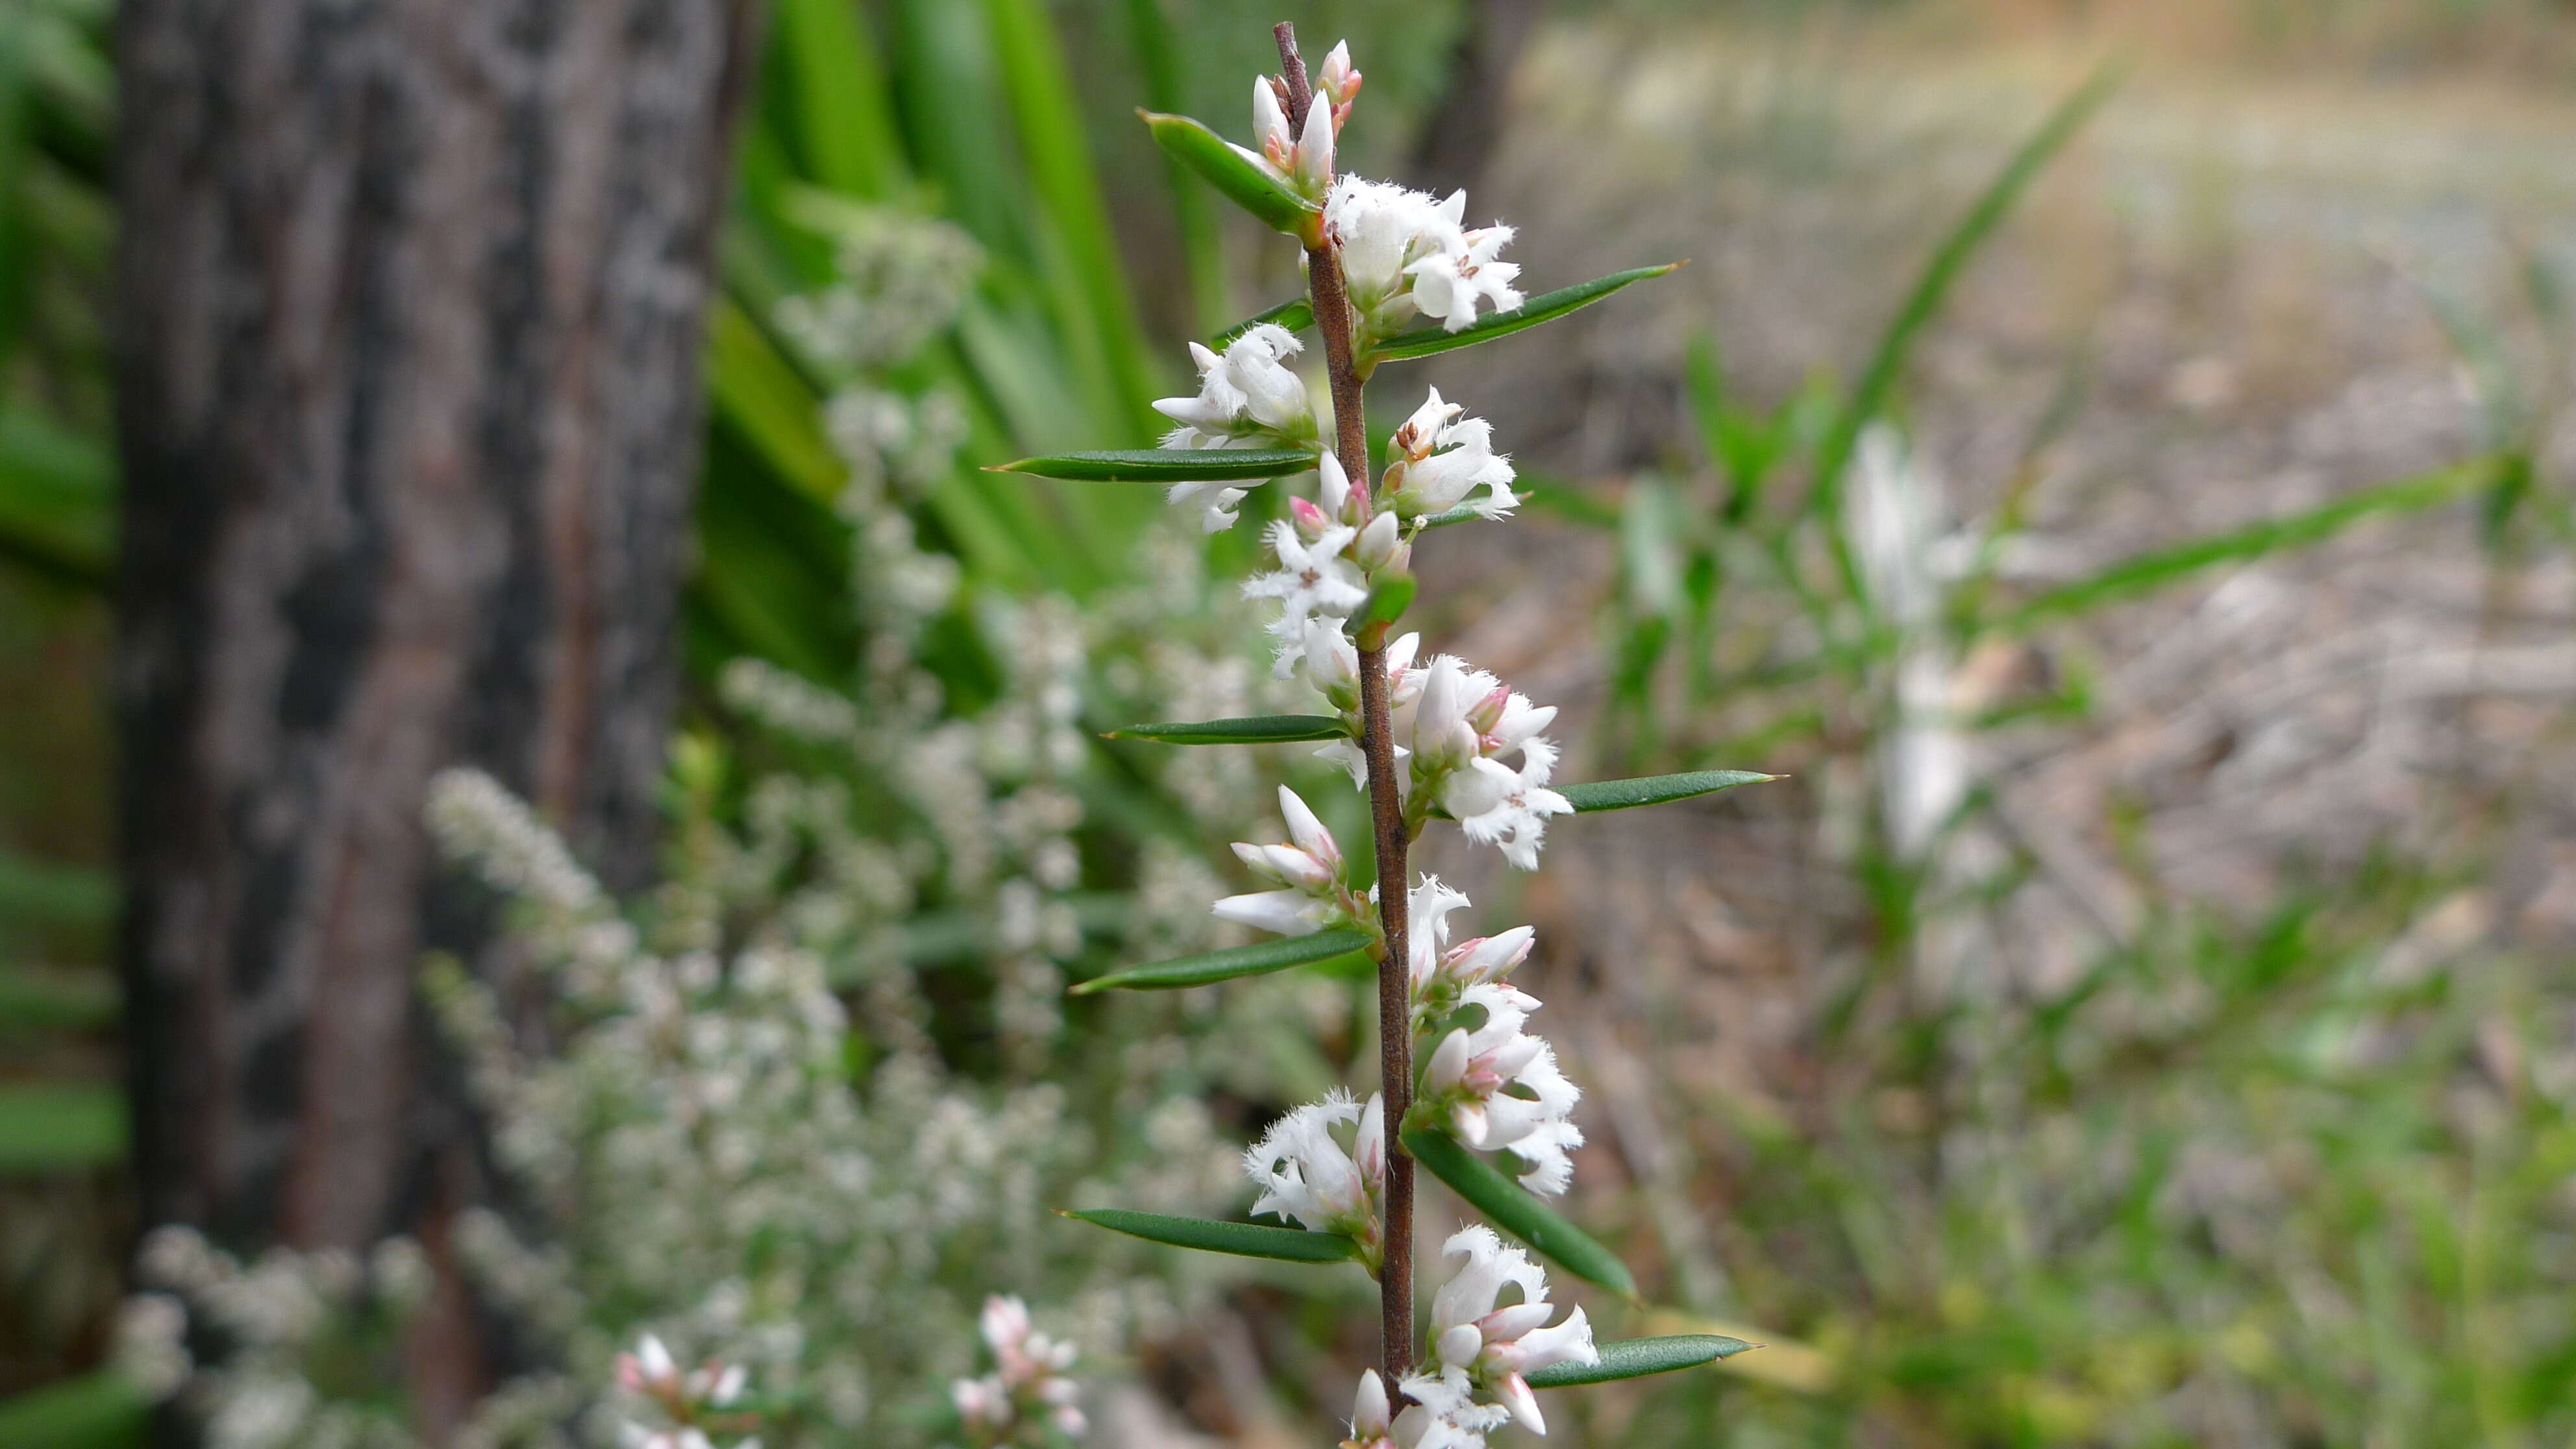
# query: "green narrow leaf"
1466,512
760,393
1246,180
1243,1240
2156,568
1833,456
1635,1358
1165,465
1263,729
1296,314
1257,959
1513,1209
835,108
1547,307
1654,789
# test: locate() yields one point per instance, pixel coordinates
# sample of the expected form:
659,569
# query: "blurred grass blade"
38,890
1058,162
1245,179
57,500
39,999
759,392
1516,1211
102,1410
1654,789
1259,958
1887,361
60,1127
1263,729
1243,1240
1296,316
1158,57
829,96
2149,571
1165,465
1637,1357
1427,341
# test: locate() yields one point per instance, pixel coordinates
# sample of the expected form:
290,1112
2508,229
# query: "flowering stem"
1333,320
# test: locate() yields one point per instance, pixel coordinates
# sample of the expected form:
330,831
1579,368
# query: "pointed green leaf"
1297,314
1637,1357
1514,1210
1264,729
1244,1240
1246,179
1165,465
1425,341
1654,789
1257,959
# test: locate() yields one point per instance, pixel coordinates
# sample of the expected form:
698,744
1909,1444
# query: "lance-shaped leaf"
1244,1240
1296,314
1387,601
1259,958
1546,307
1654,789
1635,1358
1165,465
1516,1211
1259,729
1246,179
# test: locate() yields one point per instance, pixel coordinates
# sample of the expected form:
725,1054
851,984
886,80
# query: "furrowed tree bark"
408,366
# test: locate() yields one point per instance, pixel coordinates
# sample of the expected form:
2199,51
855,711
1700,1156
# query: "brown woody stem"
1333,321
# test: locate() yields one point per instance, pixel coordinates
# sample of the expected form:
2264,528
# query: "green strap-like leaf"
1425,341
1256,959
1514,1210
1387,601
1654,789
1262,729
1296,314
1635,1358
1247,182
1165,465
1244,1240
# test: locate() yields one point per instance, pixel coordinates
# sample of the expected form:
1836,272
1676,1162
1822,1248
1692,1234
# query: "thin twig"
1333,321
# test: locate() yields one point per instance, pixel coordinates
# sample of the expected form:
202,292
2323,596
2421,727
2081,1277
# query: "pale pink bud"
1314,169
1270,125
1378,543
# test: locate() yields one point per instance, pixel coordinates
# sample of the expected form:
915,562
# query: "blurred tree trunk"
1457,141
408,370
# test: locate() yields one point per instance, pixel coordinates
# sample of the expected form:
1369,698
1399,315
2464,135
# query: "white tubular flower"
1313,172
1309,869
1340,81
1499,1087
1464,725
1248,398
1495,1344
1305,1175
1449,283
1438,458
1427,928
1370,1425
1270,125
1314,579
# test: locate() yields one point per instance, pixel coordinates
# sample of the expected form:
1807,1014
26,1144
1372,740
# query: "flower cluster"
1306,1175
1027,1393
684,1405
1482,1350
1312,894
1406,255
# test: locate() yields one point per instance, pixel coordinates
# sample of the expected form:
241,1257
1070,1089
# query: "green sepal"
1516,1211
1634,1358
1245,180
1259,958
1387,601
1243,1240
1165,465
1261,729
1547,307
1296,314
1654,789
